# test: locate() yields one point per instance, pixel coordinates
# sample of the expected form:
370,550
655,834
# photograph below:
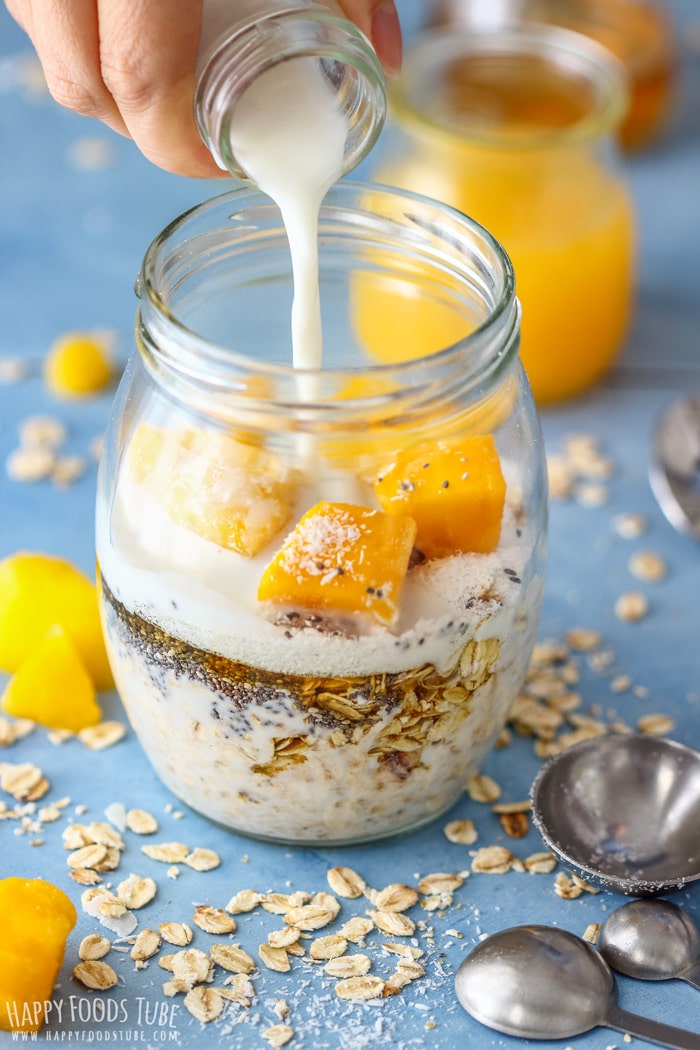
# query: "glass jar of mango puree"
516,128
320,589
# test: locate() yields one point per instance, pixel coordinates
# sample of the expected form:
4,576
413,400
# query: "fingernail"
386,36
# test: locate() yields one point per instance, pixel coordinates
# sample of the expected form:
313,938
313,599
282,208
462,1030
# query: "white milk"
289,135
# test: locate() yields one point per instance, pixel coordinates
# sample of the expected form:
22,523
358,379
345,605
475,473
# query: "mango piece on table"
37,918
454,493
52,687
342,558
78,364
37,592
236,495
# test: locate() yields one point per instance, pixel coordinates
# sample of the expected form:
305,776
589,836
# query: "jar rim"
201,361
567,51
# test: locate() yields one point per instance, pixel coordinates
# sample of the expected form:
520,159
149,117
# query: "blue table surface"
71,240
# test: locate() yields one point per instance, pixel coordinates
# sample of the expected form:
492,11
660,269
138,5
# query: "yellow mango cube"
78,364
236,495
342,558
37,918
38,592
52,687
454,493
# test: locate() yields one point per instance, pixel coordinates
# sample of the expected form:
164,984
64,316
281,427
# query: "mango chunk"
37,592
236,495
37,918
52,687
342,558
454,493
78,364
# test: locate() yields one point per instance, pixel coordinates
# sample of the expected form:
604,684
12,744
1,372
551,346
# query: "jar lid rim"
565,48
169,343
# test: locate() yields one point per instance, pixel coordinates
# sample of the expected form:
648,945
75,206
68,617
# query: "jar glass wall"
515,128
320,590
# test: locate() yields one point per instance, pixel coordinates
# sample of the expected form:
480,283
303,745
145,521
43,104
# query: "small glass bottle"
320,609
516,127
243,39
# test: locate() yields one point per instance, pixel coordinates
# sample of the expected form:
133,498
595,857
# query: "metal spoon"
622,809
653,940
541,982
674,471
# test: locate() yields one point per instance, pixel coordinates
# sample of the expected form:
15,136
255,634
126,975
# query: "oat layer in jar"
320,589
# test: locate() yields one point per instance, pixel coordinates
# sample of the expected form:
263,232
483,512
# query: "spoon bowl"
510,981
674,471
652,940
542,982
622,810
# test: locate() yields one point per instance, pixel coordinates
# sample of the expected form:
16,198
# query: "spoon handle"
654,1031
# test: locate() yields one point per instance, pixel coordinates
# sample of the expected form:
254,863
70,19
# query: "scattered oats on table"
167,852
647,566
515,825
213,920
103,735
345,882
396,897
656,724
94,974
136,891
483,788
630,526
364,987
178,933
278,1034
146,944
141,822
591,933
492,860
232,957
93,947
329,947
274,958
348,966
583,639
396,924
631,606
13,370
462,832
202,859
205,1004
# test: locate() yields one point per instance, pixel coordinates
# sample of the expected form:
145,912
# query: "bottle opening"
346,61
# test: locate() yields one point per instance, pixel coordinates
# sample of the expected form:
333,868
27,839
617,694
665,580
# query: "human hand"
131,64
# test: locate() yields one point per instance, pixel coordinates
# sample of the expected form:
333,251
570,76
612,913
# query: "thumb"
379,20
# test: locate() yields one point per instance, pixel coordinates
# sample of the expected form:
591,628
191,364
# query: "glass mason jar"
242,42
516,127
320,589
639,32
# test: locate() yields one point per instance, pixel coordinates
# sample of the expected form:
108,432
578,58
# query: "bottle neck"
234,54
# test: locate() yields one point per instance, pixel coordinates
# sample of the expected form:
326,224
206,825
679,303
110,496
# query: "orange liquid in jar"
638,32
562,214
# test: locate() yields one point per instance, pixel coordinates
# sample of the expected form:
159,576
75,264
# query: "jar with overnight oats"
516,126
320,588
